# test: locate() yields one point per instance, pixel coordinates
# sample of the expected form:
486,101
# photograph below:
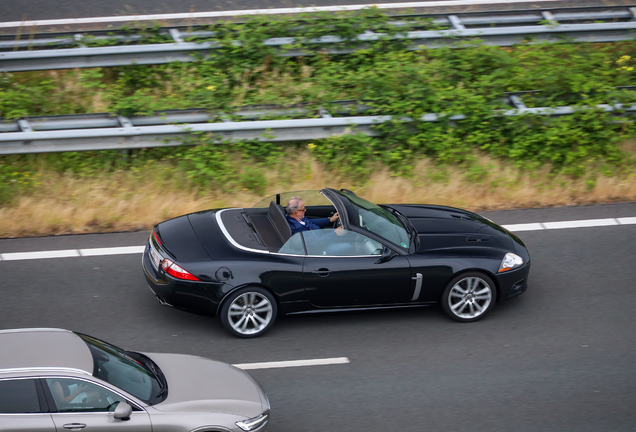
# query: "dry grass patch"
124,201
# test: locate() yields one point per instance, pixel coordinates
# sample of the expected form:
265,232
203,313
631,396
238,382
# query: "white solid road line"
293,363
112,251
587,223
219,14
17,256
524,227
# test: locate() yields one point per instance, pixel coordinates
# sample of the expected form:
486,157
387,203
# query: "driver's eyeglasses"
302,210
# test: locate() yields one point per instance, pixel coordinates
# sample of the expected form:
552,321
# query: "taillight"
156,236
174,270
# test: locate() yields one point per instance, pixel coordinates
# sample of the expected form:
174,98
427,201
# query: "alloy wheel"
470,297
250,313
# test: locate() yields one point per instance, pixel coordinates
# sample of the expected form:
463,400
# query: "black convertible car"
245,265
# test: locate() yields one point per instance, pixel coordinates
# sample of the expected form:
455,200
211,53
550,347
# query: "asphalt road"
558,358
57,9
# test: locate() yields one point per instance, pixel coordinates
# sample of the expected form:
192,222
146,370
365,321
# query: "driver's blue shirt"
306,225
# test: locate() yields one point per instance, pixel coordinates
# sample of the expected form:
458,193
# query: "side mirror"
123,411
387,255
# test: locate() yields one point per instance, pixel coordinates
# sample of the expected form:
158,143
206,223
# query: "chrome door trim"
418,285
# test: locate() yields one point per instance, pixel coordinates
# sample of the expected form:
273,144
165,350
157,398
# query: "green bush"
468,78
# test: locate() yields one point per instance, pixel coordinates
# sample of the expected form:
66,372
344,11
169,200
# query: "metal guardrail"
494,28
103,132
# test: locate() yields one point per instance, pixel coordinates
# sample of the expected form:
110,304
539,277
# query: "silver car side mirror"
123,411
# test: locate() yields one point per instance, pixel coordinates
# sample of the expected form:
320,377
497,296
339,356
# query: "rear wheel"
469,297
249,312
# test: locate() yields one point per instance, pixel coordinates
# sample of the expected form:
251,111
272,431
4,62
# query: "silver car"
58,380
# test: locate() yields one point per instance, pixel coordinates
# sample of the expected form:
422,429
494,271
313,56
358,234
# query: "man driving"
297,220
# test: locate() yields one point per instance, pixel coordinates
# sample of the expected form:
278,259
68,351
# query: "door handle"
74,426
321,272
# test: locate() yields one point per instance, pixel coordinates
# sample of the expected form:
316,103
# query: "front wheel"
249,312
469,297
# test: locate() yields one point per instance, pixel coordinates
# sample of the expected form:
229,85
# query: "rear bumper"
195,296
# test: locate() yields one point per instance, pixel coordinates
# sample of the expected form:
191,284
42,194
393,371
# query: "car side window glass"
293,246
19,396
73,395
339,242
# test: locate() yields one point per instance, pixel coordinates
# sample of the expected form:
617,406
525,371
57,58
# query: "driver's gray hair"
293,204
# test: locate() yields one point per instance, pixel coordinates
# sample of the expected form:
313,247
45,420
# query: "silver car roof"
43,348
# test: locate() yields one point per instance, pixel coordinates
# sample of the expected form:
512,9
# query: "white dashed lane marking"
112,251
70,253
18,256
293,363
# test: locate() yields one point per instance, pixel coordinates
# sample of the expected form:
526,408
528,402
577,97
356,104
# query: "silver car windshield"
121,369
379,221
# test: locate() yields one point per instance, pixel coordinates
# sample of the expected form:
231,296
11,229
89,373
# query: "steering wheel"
337,223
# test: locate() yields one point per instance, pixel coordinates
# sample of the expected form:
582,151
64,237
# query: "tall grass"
125,200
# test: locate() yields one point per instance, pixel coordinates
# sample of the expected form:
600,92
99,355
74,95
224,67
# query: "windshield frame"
101,350
348,205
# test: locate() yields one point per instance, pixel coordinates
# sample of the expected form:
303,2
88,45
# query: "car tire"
249,312
469,297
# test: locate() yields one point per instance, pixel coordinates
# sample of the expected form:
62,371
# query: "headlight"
253,423
510,262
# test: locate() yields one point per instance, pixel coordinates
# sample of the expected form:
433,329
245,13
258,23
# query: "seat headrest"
277,217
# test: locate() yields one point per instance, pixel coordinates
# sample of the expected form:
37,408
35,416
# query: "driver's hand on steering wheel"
334,218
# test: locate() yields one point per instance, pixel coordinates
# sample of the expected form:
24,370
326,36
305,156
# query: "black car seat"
277,218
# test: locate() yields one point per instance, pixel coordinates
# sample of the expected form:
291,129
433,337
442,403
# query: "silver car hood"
198,384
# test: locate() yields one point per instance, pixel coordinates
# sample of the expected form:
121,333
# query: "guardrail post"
456,22
25,126
547,15
125,123
176,35
517,102
632,10
78,38
324,113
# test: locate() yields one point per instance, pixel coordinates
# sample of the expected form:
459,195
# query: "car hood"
441,227
197,384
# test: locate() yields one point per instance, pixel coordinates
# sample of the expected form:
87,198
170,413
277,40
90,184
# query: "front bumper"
513,282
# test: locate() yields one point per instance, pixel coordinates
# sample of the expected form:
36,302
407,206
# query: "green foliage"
468,78
352,153
16,177
208,161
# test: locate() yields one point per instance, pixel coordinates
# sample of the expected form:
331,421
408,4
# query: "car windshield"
378,220
125,370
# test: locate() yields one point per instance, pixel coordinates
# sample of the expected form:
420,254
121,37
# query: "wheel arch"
245,285
472,270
